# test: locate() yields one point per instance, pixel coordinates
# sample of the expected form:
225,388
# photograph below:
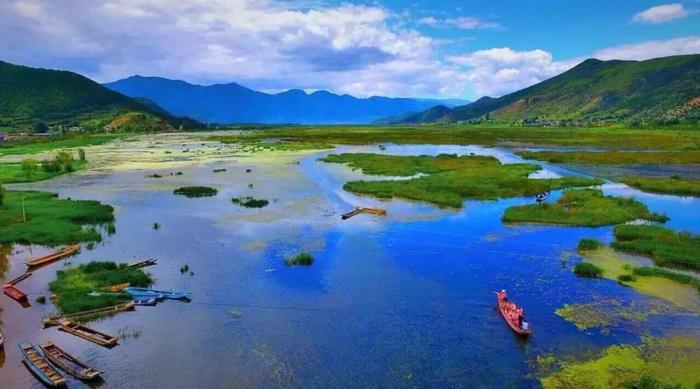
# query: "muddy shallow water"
401,300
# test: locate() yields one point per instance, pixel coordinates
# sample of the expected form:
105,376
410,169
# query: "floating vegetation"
42,218
196,191
301,259
665,246
583,207
585,269
154,175
670,361
41,299
129,332
248,170
74,284
111,229
586,244
156,226
448,180
249,202
221,170
671,275
672,185
602,314
184,269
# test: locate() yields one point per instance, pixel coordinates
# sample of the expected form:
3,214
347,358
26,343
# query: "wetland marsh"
400,300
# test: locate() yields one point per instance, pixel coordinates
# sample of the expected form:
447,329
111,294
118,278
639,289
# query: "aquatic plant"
586,244
626,278
301,259
156,226
615,157
196,191
41,300
111,229
221,170
184,269
665,246
32,217
74,284
646,271
583,207
585,269
154,175
672,185
249,202
448,180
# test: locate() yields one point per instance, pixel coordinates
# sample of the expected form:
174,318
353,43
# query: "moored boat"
146,263
46,259
359,210
14,292
68,363
38,364
87,333
172,295
53,319
514,316
147,302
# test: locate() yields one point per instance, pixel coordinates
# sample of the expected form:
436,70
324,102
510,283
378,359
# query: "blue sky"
464,49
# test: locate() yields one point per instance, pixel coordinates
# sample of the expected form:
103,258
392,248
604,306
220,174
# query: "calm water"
400,301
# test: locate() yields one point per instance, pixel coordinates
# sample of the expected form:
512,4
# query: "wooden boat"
40,366
69,363
87,333
19,279
172,295
117,287
53,319
14,292
2,341
514,316
359,210
146,263
46,259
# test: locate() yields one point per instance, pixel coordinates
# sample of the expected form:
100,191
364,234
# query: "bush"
196,191
586,244
585,269
301,259
627,278
250,202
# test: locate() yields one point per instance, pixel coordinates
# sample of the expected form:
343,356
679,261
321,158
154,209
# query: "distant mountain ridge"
29,95
234,103
659,90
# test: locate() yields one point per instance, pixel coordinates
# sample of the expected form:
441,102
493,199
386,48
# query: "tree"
41,128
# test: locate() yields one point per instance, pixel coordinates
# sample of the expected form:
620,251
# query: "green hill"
661,90
436,114
30,95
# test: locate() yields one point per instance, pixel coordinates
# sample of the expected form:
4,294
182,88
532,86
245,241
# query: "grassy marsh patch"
301,259
249,202
615,157
37,145
50,220
448,180
196,191
583,207
589,270
587,244
665,246
604,314
673,185
73,285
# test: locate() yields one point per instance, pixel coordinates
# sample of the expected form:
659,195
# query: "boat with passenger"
512,314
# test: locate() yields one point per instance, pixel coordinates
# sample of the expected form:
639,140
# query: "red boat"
15,293
514,316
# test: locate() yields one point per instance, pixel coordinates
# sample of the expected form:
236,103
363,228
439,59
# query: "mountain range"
30,95
234,103
661,90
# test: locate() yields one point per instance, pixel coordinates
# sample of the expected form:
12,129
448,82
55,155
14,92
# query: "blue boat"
40,366
165,293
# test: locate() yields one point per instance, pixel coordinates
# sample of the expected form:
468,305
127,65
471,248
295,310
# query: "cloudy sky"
421,48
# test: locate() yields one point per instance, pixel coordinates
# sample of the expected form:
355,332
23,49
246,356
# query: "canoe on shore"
514,316
69,363
146,263
87,333
38,364
46,259
172,295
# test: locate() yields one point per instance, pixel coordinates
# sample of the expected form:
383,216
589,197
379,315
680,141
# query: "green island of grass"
49,220
660,362
587,244
673,185
665,246
196,191
615,157
447,180
583,207
73,285
301,259
589,270
249,202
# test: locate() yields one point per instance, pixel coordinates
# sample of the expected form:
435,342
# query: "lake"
397,301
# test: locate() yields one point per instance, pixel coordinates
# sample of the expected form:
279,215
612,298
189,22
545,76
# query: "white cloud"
651,49
261,44
660,14
462,22
499,71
